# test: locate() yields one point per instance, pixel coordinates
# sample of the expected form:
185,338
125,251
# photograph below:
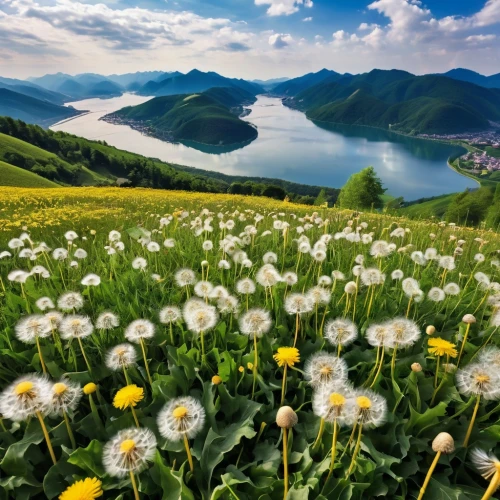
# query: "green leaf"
89,459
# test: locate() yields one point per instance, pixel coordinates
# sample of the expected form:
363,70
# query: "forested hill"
397,100
210,117
69,160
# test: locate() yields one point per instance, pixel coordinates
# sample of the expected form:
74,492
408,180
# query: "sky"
247,38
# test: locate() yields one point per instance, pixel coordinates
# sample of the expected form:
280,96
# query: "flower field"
176,345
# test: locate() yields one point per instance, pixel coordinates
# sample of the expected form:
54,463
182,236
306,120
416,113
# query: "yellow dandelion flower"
128,396
216,380
89,388
441,347
86,489
287,356
241,369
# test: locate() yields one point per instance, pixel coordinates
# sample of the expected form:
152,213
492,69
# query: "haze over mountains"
456,101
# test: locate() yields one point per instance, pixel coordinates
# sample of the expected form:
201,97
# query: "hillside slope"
31,110
11,175
296,85
205,118
403,102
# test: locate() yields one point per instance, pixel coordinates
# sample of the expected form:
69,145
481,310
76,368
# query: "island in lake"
212,118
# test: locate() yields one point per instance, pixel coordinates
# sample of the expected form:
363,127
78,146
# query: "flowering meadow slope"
174,345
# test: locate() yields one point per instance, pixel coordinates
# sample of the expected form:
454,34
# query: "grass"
15,176
376,309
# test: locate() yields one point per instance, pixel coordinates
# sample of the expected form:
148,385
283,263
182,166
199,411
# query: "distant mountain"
36,92
195,81
270,84
209,118
400,101
133,81
32,110
467,75
51,82
295,85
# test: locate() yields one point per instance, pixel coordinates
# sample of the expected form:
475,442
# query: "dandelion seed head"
139,329
340,332
325,369
121,356
181,417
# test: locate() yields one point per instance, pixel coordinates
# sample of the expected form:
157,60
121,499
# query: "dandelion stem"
320,433
378,371
375,365
44,368
127,380
255,361
495,480
356,451
283,385
188,451
429,474
47,437
285,460
70,432
464,341
472,420
334,448
134,486
134,414
297,327
437,372
84,355
393,361
146,360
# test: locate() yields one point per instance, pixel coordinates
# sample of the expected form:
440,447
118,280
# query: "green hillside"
397,100
15,176
207,118
32,110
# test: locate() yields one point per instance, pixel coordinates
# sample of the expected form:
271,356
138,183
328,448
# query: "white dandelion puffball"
44,303
121,356
202,318
340,332
372,276
75,326
245,286
255,322
330,402
324,368
479,379
290,278
18,276
55,318
397,274
60,254
451,289
107,321
170,314
436,294
207,245
318,295
70,235
203,288
129,451
228,305
366,408
405,332
139,329
70,301
267,276
65,396
169,243
80,253
379,335
30,328
139,263
298,303
25,397
487,464
218,292
91,280
184,416
185,277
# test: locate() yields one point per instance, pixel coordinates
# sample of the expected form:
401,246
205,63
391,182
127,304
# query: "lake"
291,147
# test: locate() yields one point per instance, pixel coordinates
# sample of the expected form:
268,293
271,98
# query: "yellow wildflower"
128,396
441,347
86,489
287,356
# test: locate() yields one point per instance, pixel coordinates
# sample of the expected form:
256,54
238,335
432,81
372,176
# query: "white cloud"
365,26
307,19
284,7
480,38
280,40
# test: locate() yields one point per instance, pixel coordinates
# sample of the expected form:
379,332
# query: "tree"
470,207
362,190
275,192
321,199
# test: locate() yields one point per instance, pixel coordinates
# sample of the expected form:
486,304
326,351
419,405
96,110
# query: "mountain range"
209,117
400,101
452,106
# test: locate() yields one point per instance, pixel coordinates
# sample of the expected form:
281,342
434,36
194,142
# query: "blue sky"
247,38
